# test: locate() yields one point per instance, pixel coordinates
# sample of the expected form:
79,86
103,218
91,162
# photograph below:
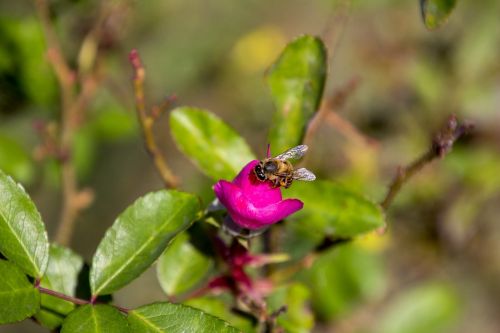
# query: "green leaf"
138,237
332,210
61,275
218,308
428,308
214,147
23,238
95,319
37,77
341,278
296,81
436,12
182,266
15,160
175,318
298,317
19,299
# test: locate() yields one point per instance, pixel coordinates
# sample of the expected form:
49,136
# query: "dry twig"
73,106
441,145
147,121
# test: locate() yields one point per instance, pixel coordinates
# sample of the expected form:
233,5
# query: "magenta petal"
246,214
260,193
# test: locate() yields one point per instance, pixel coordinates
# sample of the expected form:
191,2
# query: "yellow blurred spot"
374,241
256,50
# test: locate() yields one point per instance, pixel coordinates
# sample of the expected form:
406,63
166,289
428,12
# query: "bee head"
270,167
259,172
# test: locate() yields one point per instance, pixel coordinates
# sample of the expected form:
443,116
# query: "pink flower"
251,203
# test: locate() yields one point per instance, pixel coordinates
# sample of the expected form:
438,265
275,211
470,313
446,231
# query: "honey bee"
280,171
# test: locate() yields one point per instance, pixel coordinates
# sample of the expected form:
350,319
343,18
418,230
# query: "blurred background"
436,269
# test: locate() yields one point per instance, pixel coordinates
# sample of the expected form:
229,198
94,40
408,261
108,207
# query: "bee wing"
303,174
293,153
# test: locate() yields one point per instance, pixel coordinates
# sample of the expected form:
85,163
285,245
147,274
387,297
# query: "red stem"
72,299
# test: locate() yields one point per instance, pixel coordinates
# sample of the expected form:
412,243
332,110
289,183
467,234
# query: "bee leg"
288,182
276,182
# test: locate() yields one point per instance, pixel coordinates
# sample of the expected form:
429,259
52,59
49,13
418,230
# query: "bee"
280,171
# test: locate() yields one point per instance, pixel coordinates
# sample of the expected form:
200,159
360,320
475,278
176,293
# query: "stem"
57,294
148,121
441,145
72,299
72,107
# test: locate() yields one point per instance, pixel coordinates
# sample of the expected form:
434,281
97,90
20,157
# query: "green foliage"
298,318
436,12
428,308
175,318
15,160
138,237
341,278
331,209
95,319
214,147
37,79
61,275
182,266
23,238
296,81
19,299
218,308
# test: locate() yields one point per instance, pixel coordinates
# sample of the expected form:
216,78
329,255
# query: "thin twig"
72,299
147,122
330,105
441,145
72,108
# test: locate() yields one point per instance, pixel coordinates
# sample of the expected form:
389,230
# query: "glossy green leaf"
213,146
296,81
182,266
23,238
175,318
298,317
341,278
95,319
215,306
436,12
331,209
61,275
138,237
15,160
19,299
429,308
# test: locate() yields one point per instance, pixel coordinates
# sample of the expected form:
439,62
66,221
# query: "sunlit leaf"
436,12
62,276
182,266
175,318
429,308
19,299
298,317
23,238
296,81
15,160
331,209
95,319
341,278
213,146
138,237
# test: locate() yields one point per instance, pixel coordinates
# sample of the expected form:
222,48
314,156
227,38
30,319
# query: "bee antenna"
268,150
